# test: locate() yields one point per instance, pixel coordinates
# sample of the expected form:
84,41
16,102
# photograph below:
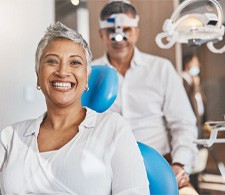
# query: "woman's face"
62,75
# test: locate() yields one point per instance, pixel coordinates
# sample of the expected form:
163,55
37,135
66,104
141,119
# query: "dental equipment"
216,127
193,29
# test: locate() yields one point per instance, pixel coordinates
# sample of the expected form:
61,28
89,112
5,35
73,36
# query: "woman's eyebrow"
51,54
71,56
77,56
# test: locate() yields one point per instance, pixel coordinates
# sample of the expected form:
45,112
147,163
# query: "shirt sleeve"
180,119
3,148
129,174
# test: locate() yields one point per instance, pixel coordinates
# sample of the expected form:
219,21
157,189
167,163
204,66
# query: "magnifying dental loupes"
119,35
117,22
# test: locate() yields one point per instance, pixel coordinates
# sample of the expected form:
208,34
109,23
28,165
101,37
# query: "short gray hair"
59,30
117,7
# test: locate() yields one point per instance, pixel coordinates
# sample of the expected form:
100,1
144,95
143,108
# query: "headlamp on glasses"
117,22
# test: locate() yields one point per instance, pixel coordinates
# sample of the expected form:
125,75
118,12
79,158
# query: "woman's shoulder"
111,117
113,123
110,127
17,125
107,118
21,127
9,132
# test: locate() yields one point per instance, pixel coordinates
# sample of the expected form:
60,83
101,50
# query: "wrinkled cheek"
82,85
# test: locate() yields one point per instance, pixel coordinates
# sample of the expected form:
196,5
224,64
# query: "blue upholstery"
103,88
160,175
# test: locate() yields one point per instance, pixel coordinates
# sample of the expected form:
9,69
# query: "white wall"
22,24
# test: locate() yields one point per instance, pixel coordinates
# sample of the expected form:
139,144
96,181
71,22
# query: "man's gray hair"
59,30
117,7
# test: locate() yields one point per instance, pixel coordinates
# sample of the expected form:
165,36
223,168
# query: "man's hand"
181,176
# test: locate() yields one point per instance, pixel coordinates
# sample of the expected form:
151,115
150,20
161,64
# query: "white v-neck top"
103,158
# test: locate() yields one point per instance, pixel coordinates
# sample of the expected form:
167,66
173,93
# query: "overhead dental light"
193,29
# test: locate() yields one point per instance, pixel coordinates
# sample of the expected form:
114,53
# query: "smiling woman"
62,74
69,149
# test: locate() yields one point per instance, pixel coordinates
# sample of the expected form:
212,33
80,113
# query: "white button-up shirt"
103,158
152,98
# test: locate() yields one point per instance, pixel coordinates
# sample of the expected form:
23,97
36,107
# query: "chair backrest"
160,174
103,87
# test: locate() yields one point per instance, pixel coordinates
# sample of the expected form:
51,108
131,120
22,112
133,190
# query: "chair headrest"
103,87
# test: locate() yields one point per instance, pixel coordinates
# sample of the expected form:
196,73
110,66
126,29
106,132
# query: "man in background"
151,96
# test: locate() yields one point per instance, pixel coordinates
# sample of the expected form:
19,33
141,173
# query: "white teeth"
62,85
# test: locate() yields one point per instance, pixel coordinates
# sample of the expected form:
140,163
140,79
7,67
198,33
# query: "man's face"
120,49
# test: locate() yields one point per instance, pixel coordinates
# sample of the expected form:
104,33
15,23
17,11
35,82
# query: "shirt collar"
137,59
35,126
90,119
88,122
105,60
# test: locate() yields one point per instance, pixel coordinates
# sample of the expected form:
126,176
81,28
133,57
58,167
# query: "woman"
69,149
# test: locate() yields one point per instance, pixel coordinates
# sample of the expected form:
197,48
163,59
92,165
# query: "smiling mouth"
63,85
118,45
123,42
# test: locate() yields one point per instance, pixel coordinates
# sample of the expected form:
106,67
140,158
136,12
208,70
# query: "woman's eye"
52,61
75,62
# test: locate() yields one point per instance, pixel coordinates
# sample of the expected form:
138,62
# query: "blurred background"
23,23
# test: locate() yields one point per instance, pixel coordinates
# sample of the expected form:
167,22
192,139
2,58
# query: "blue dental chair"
103,87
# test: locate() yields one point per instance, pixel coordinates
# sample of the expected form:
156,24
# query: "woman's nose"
63,70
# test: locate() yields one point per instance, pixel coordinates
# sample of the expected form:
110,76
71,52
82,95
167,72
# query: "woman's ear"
37,80
88,76
38,86
88,70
